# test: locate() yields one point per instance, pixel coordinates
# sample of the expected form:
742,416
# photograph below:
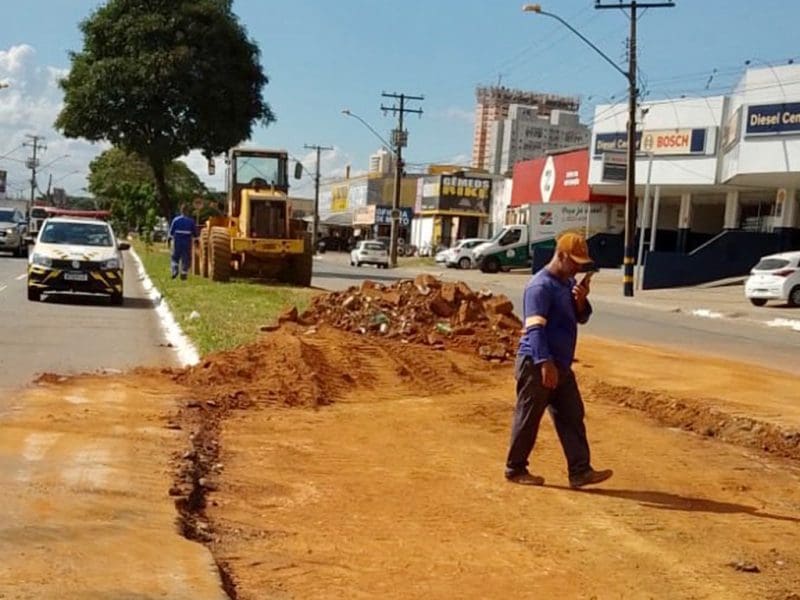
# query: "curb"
184,349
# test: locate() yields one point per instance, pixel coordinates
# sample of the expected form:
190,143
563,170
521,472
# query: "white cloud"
456,113
29,106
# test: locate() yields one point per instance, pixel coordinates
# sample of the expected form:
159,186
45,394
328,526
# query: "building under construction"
493,105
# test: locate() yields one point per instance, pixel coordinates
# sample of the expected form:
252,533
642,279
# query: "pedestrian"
182,233
553,305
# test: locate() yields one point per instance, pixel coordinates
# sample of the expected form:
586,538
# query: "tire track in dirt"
312,367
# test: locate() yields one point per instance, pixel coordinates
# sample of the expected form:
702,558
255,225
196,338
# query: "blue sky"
324,56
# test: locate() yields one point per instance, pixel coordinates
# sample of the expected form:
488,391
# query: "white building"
716,165
382,162
525,133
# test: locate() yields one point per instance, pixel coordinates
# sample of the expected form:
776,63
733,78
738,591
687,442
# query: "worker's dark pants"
566,410
181,256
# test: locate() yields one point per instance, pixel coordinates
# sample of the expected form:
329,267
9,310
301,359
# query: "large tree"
163,77
126,184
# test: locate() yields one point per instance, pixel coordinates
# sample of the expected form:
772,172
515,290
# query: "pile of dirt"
278,370
423,311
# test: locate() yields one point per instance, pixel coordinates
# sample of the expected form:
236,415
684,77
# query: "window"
77,234
511,237
770,264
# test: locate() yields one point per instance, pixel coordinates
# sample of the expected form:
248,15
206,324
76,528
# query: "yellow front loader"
258,237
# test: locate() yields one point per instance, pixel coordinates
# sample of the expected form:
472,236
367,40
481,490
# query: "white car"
461,254
442,256
370,253
775,277
76,255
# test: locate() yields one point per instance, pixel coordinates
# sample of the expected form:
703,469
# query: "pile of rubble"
423,311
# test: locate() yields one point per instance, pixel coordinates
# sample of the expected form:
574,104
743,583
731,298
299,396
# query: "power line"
32,163
315,229
399,140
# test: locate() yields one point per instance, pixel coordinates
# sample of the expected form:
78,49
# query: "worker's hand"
549,375
579,293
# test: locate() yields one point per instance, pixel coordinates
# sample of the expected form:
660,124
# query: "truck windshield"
6,216
262,170
498,235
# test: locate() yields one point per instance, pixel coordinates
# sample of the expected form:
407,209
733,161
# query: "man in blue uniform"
182,232
553,306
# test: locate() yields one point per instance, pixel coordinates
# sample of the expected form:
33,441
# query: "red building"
558,177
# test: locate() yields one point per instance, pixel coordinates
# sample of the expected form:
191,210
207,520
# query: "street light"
396,181
387,145
630,194
4,84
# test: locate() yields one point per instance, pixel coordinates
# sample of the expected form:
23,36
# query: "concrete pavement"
725,300
74,334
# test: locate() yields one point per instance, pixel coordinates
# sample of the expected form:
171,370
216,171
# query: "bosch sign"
661,142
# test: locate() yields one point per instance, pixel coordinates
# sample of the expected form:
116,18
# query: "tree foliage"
162,77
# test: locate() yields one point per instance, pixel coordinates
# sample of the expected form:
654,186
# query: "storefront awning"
342,219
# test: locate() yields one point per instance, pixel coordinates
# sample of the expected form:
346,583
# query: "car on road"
75,254
369,252
775,277
461,255
13,230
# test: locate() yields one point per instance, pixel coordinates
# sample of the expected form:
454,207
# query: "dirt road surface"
385,478
86,508
323,464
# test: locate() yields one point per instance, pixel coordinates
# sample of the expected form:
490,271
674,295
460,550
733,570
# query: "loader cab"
259,170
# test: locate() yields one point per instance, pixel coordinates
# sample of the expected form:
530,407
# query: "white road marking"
184,348
21,277
790,323
2,287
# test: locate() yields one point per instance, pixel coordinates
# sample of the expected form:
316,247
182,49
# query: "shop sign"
732,130
773,119
615,166
383,215
659,142
364,215
674,141
469,194
339,197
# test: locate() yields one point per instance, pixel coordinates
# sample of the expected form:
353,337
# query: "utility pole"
633,97
315,228
32,163
399,141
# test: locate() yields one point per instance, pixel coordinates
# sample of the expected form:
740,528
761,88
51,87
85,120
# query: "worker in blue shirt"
553,306
182,232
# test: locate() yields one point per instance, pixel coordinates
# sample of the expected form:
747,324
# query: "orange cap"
574,245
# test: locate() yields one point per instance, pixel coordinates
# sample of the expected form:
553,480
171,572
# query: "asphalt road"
69,334
739,340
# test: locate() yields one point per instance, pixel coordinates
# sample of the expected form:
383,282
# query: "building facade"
493,103
450,207
720,175
525,134
342,205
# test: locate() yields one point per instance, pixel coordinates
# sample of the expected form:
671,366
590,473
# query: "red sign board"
559,178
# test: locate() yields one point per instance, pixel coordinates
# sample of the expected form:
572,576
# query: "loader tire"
204,251
220,255
196,257
303,265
